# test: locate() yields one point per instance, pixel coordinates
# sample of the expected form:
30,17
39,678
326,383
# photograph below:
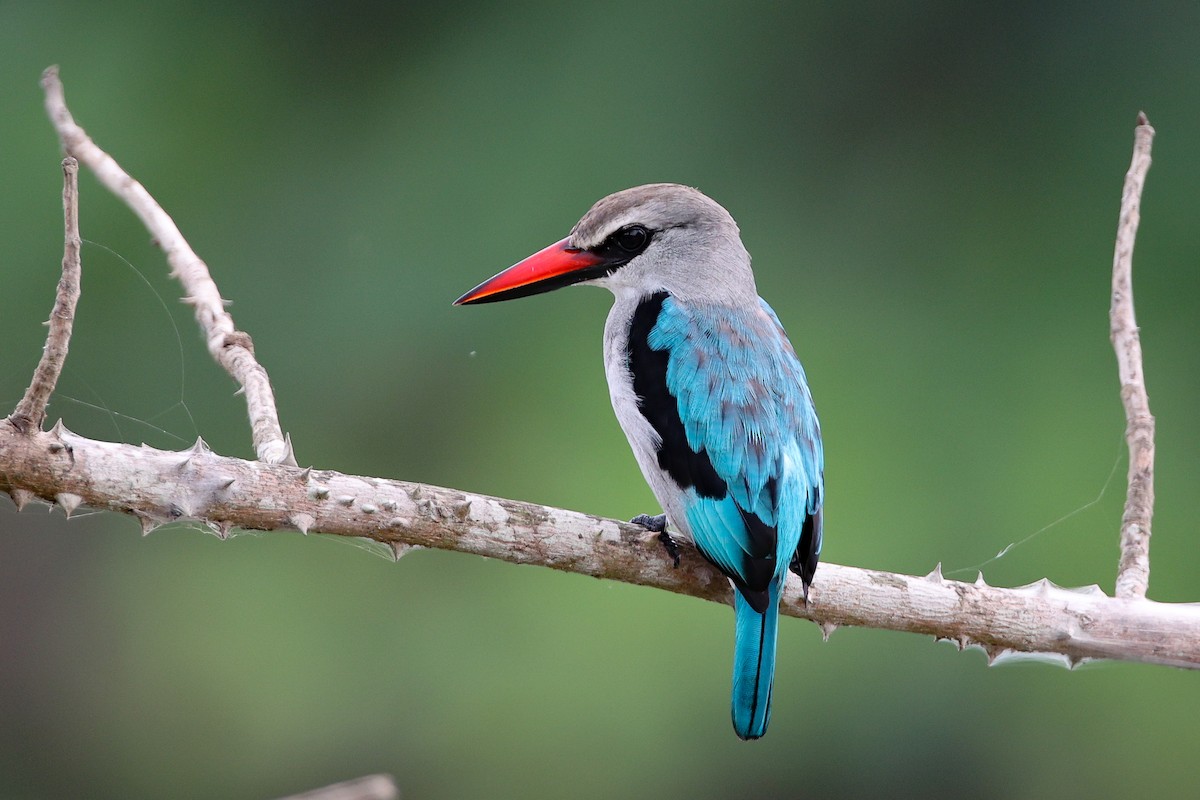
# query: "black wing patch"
693,468
687,467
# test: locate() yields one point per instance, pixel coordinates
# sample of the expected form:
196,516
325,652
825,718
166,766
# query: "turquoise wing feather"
744,402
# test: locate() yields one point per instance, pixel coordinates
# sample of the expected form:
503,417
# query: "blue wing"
747,419
739,438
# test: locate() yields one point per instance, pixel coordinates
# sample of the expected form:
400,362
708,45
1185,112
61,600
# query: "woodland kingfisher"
711,396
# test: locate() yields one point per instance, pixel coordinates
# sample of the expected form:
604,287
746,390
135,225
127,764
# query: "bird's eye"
632,238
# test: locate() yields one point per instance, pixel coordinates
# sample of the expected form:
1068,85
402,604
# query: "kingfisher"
710,394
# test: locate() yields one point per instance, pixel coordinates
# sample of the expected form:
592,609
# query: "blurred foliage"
930,193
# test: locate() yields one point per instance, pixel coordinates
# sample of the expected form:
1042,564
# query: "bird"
711,396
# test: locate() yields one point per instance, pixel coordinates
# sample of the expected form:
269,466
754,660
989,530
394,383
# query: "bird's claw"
671,546
653,524
658,524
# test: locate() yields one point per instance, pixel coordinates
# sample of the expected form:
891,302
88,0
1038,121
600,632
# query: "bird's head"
661,236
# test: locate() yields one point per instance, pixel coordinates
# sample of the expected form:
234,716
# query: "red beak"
550,268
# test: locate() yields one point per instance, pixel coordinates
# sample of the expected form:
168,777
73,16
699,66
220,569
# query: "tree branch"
232,348
159,486
30,412
369,787
1133,571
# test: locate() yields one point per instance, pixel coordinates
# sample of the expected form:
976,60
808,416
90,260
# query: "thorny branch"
30,412
158,486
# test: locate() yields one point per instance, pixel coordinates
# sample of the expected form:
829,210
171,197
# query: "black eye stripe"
632,238
625,243
619,248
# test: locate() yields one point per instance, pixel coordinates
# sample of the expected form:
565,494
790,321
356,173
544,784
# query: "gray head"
694,247
661,236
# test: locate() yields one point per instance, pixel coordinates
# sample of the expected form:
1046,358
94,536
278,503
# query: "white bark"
31,410
1133,571
159,486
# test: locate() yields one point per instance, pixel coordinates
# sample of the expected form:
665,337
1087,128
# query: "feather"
750,448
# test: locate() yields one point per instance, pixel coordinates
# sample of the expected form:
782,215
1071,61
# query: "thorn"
220,527
1142,118
305,474
302,522
1039,588
57,432
189,300
200,447
290,457
149,525
962,641
425,507
400,549
68,501
20,497
936,574
1074,661
980,581
388,505
994,654
225,484
827,629
319,492
461,510
238,392
368,508
417,492
345,500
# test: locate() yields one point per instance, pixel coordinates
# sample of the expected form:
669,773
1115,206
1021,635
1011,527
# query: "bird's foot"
653,524
658,525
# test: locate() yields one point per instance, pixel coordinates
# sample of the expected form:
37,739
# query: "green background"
930,193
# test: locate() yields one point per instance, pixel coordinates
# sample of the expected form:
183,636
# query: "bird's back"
718,412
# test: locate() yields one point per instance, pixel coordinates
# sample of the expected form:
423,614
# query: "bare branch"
1133,572
30,412
369,787
232,348
159,486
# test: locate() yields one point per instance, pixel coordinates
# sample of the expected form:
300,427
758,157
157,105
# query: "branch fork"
231,347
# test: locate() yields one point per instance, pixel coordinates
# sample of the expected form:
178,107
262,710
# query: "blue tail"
753,664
